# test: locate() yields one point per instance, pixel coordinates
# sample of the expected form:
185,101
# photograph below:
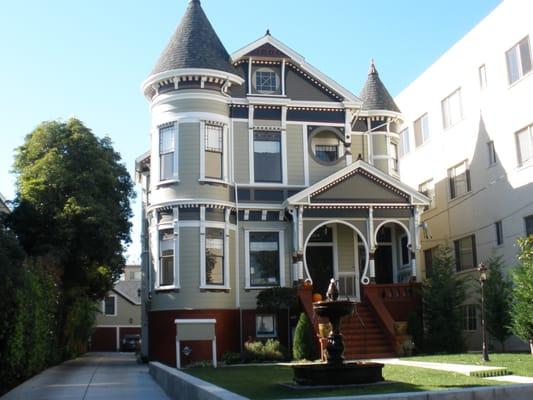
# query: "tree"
304,341
73,204
522,309
443,295
498,301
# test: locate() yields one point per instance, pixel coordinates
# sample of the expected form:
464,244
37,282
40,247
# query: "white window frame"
266,335
114,306
394,159
405,142
175,132
425,134
529,132
448,117
467,177
281,250
251,158
491,149
277,89
218,225
174,225
518,60
432,196
482,74
225,147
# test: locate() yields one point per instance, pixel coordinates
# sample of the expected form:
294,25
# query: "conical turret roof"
375,95
194,44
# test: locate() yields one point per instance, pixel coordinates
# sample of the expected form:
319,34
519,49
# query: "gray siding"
345,248
124,310
197,105
295,156
241,151
298,88
359,146
318,171
267,122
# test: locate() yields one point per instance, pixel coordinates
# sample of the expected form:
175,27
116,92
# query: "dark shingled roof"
375,95
194,44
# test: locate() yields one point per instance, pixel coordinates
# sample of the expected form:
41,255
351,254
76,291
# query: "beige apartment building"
467,142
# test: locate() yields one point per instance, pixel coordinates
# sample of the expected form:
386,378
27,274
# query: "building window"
524,145
499,232
427,188
166,151
492,153
459,177
421,126
529,225
110,306
267,157
465,253
264,259
265,325
326,153
482,72
166,257
266,81
518,60
405,146
394,156
326,146
469,317
452,111
214,151
214,256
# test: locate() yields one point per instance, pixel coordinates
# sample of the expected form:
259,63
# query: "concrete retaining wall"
179,385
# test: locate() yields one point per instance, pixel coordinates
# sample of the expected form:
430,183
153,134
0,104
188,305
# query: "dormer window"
266,81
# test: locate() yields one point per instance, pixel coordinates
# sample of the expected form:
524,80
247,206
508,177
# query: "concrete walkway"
464,369
97,376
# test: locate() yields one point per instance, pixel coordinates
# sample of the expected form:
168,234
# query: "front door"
320,265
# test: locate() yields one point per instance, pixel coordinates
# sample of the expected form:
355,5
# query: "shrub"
231,357
303,347
415,328
257,351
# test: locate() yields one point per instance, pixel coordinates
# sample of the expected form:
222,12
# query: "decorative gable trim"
266,50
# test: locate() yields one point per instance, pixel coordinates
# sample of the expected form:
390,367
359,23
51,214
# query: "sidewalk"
465,369
96,376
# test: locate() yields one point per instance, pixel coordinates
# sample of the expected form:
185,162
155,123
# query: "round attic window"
266,81
326,146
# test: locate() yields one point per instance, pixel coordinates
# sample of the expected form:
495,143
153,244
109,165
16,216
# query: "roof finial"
267,32
372,69
194,1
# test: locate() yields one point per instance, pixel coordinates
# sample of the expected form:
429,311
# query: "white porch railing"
347,284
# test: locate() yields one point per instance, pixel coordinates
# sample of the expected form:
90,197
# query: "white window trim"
115,306
432,205
456,92
175,227
274,324
468,189
520,164
519,62
281,251
175,176
283,145
214,224
429,136
279,88
225,147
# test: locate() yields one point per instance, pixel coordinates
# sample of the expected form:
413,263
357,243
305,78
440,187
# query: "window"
166,151
518,60
499,232
135,276
266,81
264,259
529,225
427,188
214,256
214,151
465,253
394,156
482,72
267,157
469,317
265,326
110,305
166,257
524,145
492,153
405,146
452,109
421,130
459,177
326,146
326,153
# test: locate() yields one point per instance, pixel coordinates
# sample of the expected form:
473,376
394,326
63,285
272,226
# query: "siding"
359,147
241,151
295,156
318,171
267,122
125,310
345,248
196,105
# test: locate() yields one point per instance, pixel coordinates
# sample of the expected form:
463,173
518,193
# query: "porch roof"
358,185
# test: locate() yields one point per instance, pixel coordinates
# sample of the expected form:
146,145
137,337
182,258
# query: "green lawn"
516,363
263,382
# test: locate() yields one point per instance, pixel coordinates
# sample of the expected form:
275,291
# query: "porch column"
372,245
300,252
415,241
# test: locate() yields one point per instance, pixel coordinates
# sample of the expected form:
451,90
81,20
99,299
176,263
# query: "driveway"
109,376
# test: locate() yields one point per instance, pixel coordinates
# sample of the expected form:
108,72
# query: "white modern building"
467,142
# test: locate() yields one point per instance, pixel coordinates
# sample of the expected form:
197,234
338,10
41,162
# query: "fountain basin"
333,309
348,373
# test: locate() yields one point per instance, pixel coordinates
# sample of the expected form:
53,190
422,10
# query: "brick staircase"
367,342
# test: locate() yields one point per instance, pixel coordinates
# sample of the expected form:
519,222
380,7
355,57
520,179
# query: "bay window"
267,157
166,151
264,259
166,257
214,257
214,151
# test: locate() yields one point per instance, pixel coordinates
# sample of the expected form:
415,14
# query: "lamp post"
482,270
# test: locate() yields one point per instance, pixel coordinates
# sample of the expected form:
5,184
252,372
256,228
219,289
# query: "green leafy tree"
304,342
522,304
443,296
73,204
498,290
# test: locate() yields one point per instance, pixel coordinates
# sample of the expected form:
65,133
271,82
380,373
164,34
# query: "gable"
266,50
359,188
298,87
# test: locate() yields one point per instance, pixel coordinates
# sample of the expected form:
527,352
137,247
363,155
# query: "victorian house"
265,172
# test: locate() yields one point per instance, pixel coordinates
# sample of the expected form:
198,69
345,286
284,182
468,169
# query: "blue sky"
88,58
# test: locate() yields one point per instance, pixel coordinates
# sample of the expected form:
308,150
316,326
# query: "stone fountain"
335,371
